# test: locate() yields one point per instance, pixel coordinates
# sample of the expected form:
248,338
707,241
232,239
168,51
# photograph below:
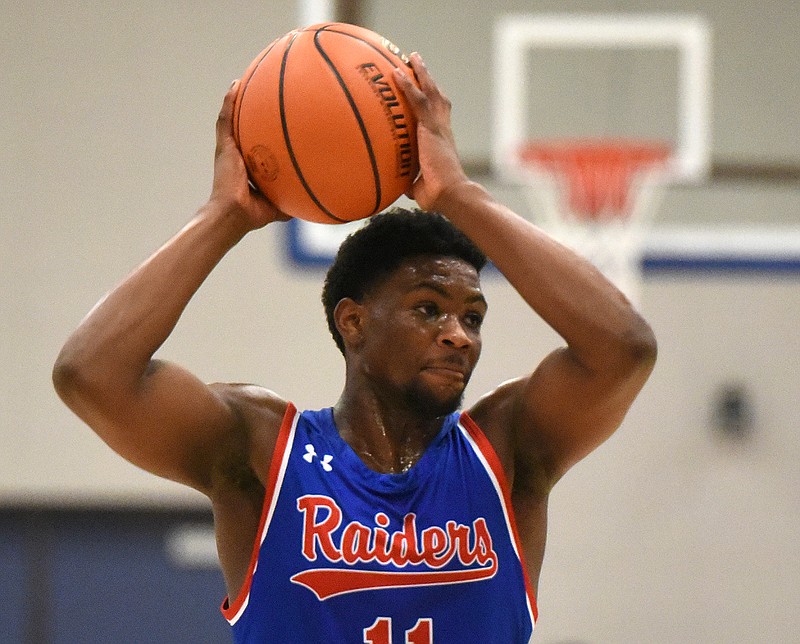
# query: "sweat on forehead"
434,272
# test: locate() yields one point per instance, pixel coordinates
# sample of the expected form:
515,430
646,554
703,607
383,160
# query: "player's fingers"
267,211
410,90
225,118
426,82
431,94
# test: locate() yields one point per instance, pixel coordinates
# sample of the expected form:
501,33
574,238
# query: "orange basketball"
324,131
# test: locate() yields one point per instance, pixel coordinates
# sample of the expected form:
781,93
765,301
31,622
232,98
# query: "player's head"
369,255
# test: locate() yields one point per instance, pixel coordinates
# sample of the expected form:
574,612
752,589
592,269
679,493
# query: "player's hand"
440,166
231,190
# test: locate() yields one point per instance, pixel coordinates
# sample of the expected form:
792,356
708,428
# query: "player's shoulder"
248,393
496,413
258,417
498,405
254,404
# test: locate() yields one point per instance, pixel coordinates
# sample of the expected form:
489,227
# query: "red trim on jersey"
230,610
329,582
476,433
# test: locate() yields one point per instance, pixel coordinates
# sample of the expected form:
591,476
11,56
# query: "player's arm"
154,413
579,394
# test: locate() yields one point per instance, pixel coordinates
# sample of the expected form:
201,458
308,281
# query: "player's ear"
349,318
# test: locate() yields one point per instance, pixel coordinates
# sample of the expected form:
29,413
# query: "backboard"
594,189
517,36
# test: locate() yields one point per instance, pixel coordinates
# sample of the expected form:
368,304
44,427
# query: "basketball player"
391,516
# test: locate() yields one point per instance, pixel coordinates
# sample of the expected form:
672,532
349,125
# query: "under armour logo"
311,454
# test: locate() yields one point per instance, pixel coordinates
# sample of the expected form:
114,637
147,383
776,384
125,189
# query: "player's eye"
428,309
473,320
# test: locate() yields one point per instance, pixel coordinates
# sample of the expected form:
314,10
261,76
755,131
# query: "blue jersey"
348,555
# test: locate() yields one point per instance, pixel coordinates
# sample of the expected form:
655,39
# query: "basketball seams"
272,116
362,126
390,58
287,138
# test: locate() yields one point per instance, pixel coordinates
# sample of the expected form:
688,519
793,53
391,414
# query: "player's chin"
436,401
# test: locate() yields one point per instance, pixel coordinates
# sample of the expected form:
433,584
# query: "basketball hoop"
596,196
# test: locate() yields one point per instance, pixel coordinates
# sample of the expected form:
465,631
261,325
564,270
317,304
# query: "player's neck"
388,438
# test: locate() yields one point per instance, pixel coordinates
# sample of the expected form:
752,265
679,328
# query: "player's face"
423,335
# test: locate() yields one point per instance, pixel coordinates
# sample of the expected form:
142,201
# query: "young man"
389,517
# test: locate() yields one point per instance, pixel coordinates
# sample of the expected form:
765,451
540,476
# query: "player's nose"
452,333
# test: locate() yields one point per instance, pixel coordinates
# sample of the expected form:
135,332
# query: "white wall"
665,534
669,532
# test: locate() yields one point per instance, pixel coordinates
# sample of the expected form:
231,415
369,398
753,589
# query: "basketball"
323,130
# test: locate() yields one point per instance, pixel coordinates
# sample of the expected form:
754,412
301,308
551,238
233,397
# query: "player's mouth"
448,370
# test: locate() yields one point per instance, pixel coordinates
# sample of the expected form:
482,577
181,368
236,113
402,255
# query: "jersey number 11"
381,632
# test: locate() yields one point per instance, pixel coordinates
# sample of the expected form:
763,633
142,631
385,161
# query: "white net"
598,199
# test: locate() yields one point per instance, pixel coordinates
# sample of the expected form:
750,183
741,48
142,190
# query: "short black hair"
371,253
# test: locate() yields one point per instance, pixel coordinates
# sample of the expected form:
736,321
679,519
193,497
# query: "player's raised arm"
156,414
579,394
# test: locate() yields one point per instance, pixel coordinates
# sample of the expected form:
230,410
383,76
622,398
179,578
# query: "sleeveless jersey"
348,555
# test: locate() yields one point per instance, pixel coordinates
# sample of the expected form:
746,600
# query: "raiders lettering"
433,548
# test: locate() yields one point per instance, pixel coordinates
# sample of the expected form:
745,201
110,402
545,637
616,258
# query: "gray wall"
756,76
668,533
